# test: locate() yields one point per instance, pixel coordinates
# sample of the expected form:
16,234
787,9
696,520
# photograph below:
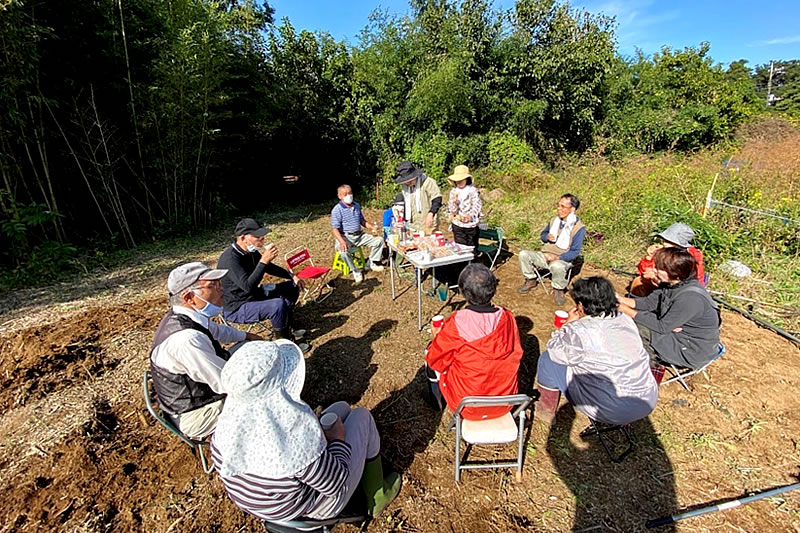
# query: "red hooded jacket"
477,353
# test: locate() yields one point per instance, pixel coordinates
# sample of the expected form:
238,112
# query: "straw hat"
461,172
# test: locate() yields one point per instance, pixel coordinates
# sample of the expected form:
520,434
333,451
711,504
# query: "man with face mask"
248,301
346,222
186,357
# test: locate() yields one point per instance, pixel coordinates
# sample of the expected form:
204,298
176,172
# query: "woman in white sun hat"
464,206
272,454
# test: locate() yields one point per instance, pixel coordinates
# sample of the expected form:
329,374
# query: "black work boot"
530,283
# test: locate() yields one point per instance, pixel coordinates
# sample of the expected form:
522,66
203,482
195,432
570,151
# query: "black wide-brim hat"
406,171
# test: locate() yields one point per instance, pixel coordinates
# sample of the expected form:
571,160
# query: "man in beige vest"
422,197
563,238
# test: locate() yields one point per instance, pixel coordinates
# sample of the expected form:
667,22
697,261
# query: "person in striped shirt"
272,455
346,222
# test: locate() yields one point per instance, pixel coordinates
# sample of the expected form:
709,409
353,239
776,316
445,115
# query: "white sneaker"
298,334
358,277
375,267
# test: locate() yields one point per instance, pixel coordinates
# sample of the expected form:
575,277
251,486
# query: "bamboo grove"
127,120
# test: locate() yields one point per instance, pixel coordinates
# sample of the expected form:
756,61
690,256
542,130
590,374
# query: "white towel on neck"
562,234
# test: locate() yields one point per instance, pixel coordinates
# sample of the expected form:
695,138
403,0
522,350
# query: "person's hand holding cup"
436,324
332,426
560,319
270,252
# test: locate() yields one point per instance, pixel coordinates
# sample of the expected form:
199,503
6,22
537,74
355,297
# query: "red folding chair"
310,274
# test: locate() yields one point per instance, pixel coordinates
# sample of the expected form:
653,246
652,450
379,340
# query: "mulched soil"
80,452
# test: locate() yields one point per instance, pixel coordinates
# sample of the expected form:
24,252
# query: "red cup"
560,319
437,321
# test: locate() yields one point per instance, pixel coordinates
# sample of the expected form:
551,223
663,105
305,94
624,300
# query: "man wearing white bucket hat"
186,357
273,456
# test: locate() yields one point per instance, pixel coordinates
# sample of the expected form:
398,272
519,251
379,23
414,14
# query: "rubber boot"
546,405
379,491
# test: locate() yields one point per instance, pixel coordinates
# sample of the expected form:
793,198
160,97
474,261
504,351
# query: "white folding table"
416,259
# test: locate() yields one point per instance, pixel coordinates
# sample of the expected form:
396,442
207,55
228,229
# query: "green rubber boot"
379,491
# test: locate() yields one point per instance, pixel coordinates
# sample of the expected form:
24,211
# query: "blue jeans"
276,307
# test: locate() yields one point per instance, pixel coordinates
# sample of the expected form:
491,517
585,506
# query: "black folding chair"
165,420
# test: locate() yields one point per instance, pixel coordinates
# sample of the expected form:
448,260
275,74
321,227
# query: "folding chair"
260,324
599,429
307,525
541,277
494,248
500,430
166,421
310,273
680,374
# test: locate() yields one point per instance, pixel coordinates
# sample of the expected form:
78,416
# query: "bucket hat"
678,233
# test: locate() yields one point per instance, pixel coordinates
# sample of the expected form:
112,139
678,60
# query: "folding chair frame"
313,526
260,324
321,281
598,431
677,375
541,277
196,445
498,237
521,401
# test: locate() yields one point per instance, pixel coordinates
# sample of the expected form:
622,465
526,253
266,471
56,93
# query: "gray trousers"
357,240
365,443
532,260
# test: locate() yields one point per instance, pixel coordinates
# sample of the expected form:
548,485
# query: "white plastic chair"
502,430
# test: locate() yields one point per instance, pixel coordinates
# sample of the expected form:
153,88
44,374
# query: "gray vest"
178,393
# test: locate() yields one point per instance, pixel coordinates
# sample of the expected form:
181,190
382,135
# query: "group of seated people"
273,455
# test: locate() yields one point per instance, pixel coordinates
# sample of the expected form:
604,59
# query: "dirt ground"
80,453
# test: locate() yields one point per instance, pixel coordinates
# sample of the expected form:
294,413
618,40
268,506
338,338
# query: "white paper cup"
328,420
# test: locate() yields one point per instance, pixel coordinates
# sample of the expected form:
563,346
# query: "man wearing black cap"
246,300
422,196
186,357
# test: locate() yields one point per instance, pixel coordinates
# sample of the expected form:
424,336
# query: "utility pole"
769,83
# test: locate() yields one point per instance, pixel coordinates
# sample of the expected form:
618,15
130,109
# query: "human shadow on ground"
530,356
407,424
609,496
341,368
326,316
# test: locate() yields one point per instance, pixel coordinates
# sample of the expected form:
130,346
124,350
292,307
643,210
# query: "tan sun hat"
461,172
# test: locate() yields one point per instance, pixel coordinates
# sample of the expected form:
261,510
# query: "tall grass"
625,204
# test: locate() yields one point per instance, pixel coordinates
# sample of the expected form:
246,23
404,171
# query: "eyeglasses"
211,284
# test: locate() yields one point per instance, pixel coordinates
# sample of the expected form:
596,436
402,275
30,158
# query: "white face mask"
252,248
348,199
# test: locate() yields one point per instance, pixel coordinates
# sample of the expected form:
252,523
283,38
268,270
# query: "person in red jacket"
476,352
677,235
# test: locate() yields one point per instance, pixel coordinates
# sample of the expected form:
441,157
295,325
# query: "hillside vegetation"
127,122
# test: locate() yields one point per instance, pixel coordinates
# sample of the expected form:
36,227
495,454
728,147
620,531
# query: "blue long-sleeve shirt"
575,246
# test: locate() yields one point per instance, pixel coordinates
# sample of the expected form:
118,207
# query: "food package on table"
439,252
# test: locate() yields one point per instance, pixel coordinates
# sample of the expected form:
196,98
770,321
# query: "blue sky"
736,29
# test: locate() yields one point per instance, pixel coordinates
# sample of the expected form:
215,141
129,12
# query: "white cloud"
780,40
